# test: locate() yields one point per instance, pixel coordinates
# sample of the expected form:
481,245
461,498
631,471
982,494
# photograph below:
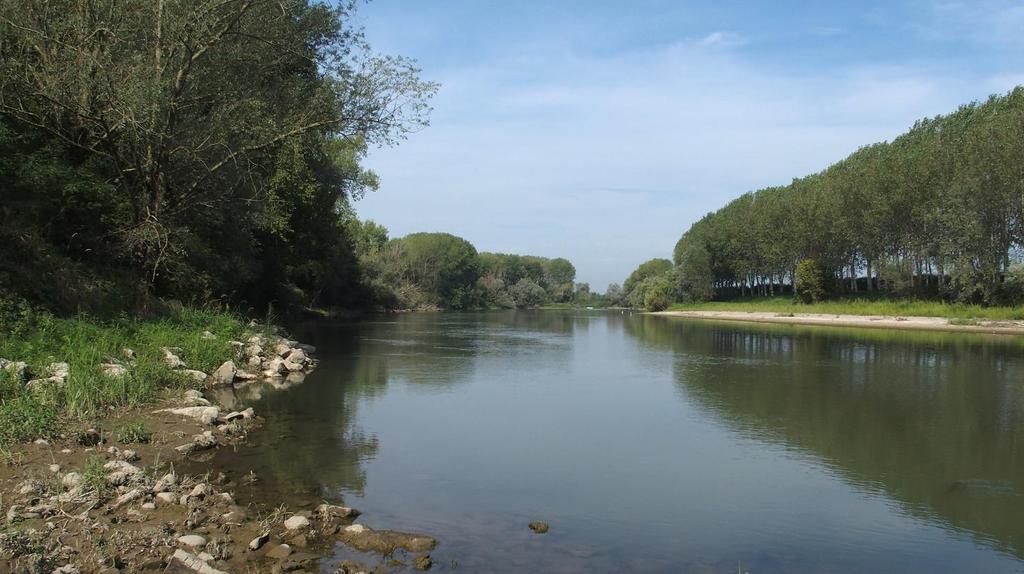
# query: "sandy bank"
866,321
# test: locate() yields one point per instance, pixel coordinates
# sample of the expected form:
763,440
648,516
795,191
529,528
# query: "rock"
130,496
128,455
72,480
114,370
185,449
30,487
356,529
197,376
417,543
279,552
58,370
89,437
233,416
14,513
334,511
539,527
41,442
201,490
171,360
37,384
248,413
259,541
166,498
183,562
296,523
128,354
206,557
205,415
164,483
422,563
297,356
17,368
282,348
208,336
122,466
192,541
276,366
54,468
204,441
148,506
67,569
308,349
244,375
225,374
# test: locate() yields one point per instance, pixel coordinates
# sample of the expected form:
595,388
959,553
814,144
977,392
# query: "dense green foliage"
440,270
809,281
649,284
197,150
936,213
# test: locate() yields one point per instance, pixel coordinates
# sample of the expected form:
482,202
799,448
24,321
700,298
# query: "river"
655,444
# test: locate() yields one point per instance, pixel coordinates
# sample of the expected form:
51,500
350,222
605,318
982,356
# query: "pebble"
148,506
54,468
166,497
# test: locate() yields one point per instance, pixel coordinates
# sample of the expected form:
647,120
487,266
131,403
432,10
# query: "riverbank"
97,436
1000,327
868,304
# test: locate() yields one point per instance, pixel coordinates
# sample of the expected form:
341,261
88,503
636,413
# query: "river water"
654,444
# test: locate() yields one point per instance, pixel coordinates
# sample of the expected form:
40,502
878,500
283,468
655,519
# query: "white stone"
225,374
166,497
171,360
356,529
296,523
114,370
192,540
205,415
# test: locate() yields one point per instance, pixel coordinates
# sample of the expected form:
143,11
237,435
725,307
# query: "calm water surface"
658,445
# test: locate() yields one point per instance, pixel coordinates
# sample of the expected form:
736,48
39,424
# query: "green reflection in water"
933,420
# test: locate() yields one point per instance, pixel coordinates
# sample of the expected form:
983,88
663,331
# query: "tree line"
190,150
441,270
938,212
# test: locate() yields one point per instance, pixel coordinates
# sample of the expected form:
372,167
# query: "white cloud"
722,39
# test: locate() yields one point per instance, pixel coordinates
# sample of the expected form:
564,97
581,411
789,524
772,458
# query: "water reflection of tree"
912,415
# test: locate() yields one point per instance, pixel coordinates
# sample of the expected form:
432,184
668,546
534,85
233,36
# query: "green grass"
132,432
860,306
40,339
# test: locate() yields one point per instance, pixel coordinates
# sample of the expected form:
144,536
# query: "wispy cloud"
722,39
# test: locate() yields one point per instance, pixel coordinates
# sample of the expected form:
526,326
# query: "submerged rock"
539,527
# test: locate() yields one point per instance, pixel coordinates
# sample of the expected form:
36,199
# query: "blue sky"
599,131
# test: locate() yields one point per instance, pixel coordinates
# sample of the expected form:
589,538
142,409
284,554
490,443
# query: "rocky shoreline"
108,498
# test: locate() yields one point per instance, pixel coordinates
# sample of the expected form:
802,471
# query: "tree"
527,293
695,277
645,270
215,123
810,281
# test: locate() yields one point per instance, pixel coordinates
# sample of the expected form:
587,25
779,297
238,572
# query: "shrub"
660,294
810,281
